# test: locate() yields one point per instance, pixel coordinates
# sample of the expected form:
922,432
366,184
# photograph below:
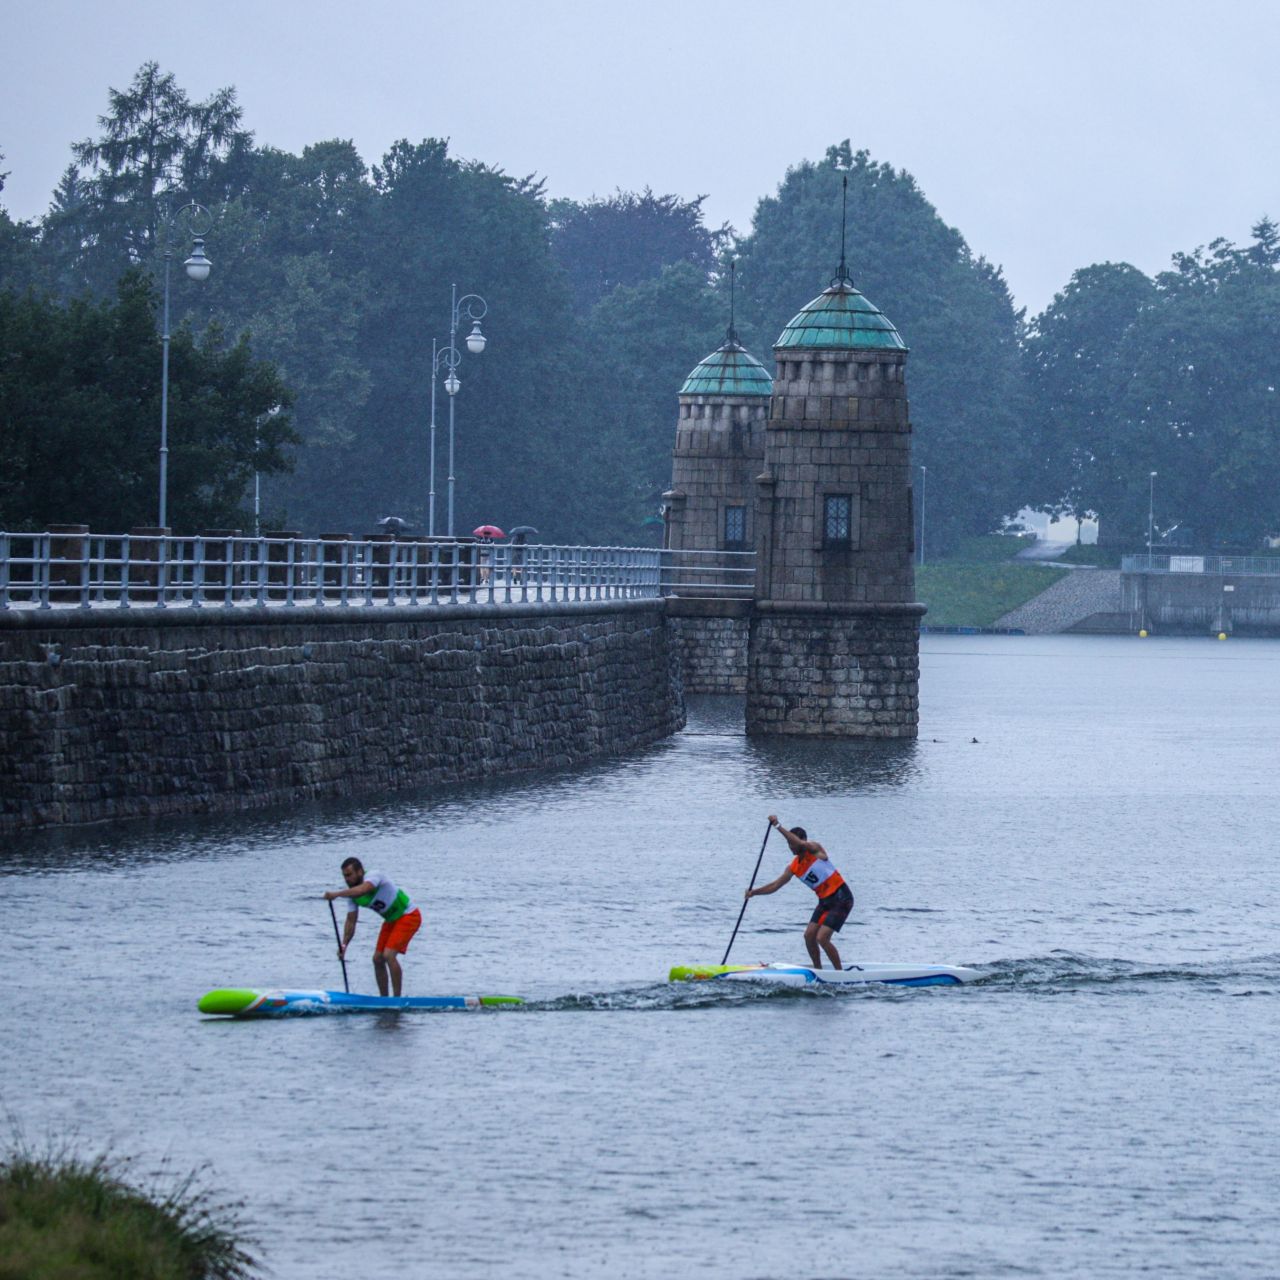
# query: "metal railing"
94,571
708,574
1233,566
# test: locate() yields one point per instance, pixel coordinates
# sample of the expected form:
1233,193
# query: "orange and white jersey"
817,873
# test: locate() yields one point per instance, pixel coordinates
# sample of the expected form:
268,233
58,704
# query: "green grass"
66,1218
980,582
990,548
1103,558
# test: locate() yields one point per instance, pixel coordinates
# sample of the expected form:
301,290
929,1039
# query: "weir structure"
828,643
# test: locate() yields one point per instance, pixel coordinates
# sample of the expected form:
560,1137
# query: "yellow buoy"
1142,635
1222,635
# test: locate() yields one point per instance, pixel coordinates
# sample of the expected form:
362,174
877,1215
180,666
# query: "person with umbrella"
519,536
486,533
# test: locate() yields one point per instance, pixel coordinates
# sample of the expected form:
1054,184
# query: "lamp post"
924,493
197,266
449,357
474,307
1151,512
257,475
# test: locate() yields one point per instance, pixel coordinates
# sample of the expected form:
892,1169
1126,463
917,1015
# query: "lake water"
1092,822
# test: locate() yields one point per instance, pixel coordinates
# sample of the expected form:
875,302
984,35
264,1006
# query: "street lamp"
1151,511
448,357
257,475
474,307
198,267
924,493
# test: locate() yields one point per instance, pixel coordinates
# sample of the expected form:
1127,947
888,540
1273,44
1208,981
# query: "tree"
968,390
1176,375
436,221
17,248
158,149
291,270
628,239
1077,375
80,407
1202,399
641,344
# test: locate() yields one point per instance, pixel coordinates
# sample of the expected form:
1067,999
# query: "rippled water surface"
1090,821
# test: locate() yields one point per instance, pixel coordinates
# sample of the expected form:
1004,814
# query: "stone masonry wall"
141,713
821,673
839,424
718,455
712,652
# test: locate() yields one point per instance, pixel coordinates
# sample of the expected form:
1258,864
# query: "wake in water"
1065,971
1059,972
676,996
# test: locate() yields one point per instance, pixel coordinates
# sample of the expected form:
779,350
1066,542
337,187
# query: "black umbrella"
521,532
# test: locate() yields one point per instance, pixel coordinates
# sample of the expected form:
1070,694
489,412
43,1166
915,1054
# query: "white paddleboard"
905,975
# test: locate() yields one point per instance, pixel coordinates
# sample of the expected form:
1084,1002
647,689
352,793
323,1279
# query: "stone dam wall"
710,640
140,712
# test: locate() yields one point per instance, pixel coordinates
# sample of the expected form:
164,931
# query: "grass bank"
980,582
65,1218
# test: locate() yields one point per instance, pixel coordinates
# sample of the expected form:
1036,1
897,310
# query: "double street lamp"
198,267
474,308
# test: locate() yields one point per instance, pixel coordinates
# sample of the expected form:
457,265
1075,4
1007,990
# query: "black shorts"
833,910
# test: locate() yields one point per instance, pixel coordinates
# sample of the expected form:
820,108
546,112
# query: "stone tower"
718,455
834,641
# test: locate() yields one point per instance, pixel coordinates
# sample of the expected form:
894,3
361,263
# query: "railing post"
197,572
333,565
160,573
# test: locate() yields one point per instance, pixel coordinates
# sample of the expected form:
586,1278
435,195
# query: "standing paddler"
811,866
400,919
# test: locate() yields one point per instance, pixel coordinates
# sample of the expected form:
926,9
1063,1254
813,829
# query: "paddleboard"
246,1002
902,975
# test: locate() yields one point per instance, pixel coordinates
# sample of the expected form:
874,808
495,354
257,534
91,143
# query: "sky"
1053,134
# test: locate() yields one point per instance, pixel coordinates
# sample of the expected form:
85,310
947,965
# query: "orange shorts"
395,934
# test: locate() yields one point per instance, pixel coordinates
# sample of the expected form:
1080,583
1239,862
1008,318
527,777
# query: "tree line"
332,278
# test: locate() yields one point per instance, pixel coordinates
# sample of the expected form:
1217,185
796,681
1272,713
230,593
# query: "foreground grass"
980,583
63,1218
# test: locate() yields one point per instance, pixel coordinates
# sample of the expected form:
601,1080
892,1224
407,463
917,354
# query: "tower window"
735,529
837,519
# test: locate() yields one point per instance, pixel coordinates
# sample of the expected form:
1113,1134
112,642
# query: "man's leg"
393,968
811,941
824,941
380,970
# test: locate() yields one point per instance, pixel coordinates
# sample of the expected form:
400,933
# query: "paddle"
346,986
752,885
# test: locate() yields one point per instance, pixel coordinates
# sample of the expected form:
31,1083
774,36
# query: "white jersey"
387,900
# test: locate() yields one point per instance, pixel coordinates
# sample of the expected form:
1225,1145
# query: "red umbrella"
487,531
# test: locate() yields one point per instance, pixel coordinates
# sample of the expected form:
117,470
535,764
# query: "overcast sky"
1051,134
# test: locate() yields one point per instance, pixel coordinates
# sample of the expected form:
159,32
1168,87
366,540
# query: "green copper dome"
729,371
841,317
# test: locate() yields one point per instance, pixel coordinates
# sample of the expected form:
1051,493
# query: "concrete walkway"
1069,603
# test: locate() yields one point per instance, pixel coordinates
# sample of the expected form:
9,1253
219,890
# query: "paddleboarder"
400,920
811,866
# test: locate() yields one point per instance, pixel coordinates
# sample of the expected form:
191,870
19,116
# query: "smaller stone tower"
718,456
